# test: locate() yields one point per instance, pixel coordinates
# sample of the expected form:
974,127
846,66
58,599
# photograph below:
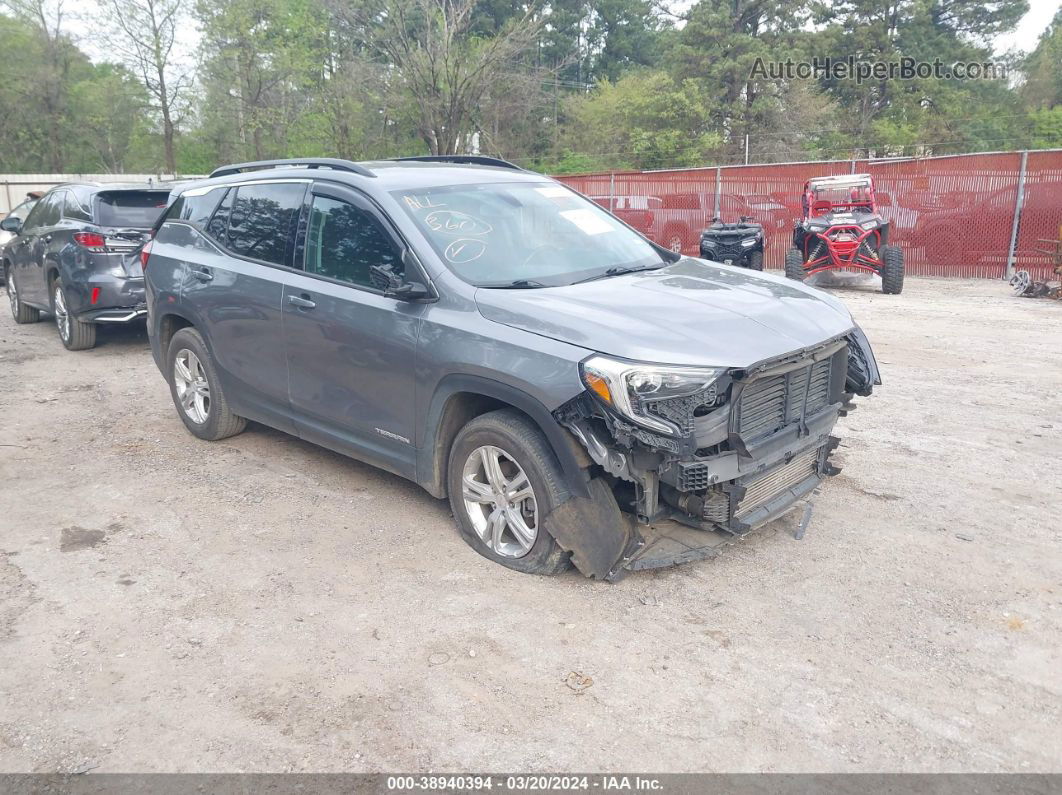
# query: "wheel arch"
169,324
459,399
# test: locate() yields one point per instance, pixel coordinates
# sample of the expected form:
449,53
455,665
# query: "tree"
45,18
143,33
717,50
885,117
643,120
441,68
1043,68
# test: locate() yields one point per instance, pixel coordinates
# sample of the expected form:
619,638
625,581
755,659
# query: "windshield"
137,209
527,234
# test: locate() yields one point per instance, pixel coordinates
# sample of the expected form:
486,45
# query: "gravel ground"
260,604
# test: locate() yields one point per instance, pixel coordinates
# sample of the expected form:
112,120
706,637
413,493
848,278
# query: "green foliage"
572,85
1046,128
644,120
1043,68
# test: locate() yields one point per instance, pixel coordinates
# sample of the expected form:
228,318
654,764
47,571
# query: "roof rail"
306,162
472,160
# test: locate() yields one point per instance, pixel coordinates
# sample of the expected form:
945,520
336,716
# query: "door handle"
203,275
301,301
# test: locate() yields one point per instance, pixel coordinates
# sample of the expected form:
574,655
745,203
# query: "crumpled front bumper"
756,458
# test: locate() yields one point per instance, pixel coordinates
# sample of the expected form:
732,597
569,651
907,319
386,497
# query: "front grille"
720,253
778,480
770,403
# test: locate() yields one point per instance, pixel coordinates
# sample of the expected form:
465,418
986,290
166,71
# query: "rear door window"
134,209
263,219
49,211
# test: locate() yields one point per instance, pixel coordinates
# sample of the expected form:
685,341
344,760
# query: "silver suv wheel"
500,501
12,293
193,389
62,316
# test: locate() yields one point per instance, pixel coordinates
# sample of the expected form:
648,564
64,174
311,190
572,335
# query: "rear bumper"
118,299
116,315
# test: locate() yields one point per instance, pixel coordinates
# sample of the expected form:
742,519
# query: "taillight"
145,252
90,240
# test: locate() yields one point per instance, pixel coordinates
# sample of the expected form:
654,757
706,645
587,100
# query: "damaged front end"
696,457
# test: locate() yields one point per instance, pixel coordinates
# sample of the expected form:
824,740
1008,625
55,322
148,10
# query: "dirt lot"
168,604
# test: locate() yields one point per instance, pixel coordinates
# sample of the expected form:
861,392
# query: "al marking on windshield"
415,202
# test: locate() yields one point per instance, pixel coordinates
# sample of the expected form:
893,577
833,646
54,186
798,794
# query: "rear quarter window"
196,209
135,209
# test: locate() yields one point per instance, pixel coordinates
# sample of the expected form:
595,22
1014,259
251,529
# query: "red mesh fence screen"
953,216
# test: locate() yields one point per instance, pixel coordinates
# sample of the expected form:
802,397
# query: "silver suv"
579,393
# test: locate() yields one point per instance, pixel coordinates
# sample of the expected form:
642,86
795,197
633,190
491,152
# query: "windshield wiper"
620,270
519,284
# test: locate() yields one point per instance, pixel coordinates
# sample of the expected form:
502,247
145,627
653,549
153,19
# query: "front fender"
433,453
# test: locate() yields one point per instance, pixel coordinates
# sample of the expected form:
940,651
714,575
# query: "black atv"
734,244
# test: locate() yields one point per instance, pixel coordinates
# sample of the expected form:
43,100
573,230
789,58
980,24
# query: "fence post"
612,192
718,191
1012,251
7,190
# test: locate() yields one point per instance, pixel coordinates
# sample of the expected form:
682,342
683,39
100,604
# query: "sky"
1026,34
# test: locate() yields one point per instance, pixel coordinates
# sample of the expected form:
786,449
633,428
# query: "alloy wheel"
193,389
62,316
500,501
12,293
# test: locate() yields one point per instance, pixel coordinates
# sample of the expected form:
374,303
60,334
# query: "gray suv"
76,255
580,394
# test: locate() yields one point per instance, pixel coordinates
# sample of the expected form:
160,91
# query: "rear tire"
891,270
794,265
19,311
524,457
74,334
196,389
756,260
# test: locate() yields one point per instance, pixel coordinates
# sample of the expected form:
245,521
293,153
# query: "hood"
691,312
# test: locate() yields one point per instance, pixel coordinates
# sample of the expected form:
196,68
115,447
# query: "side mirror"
11,224
394,286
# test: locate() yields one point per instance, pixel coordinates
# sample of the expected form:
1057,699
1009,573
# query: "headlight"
868,225
749,242
626,386
707,243
816,227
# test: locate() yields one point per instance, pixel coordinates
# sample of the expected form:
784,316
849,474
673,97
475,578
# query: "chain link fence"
980,215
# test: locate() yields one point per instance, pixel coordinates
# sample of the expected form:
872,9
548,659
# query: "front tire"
794,265
74,334
196,389
756,260
19,311
891,270
503,480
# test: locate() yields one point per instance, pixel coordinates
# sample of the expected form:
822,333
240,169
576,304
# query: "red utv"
841,229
